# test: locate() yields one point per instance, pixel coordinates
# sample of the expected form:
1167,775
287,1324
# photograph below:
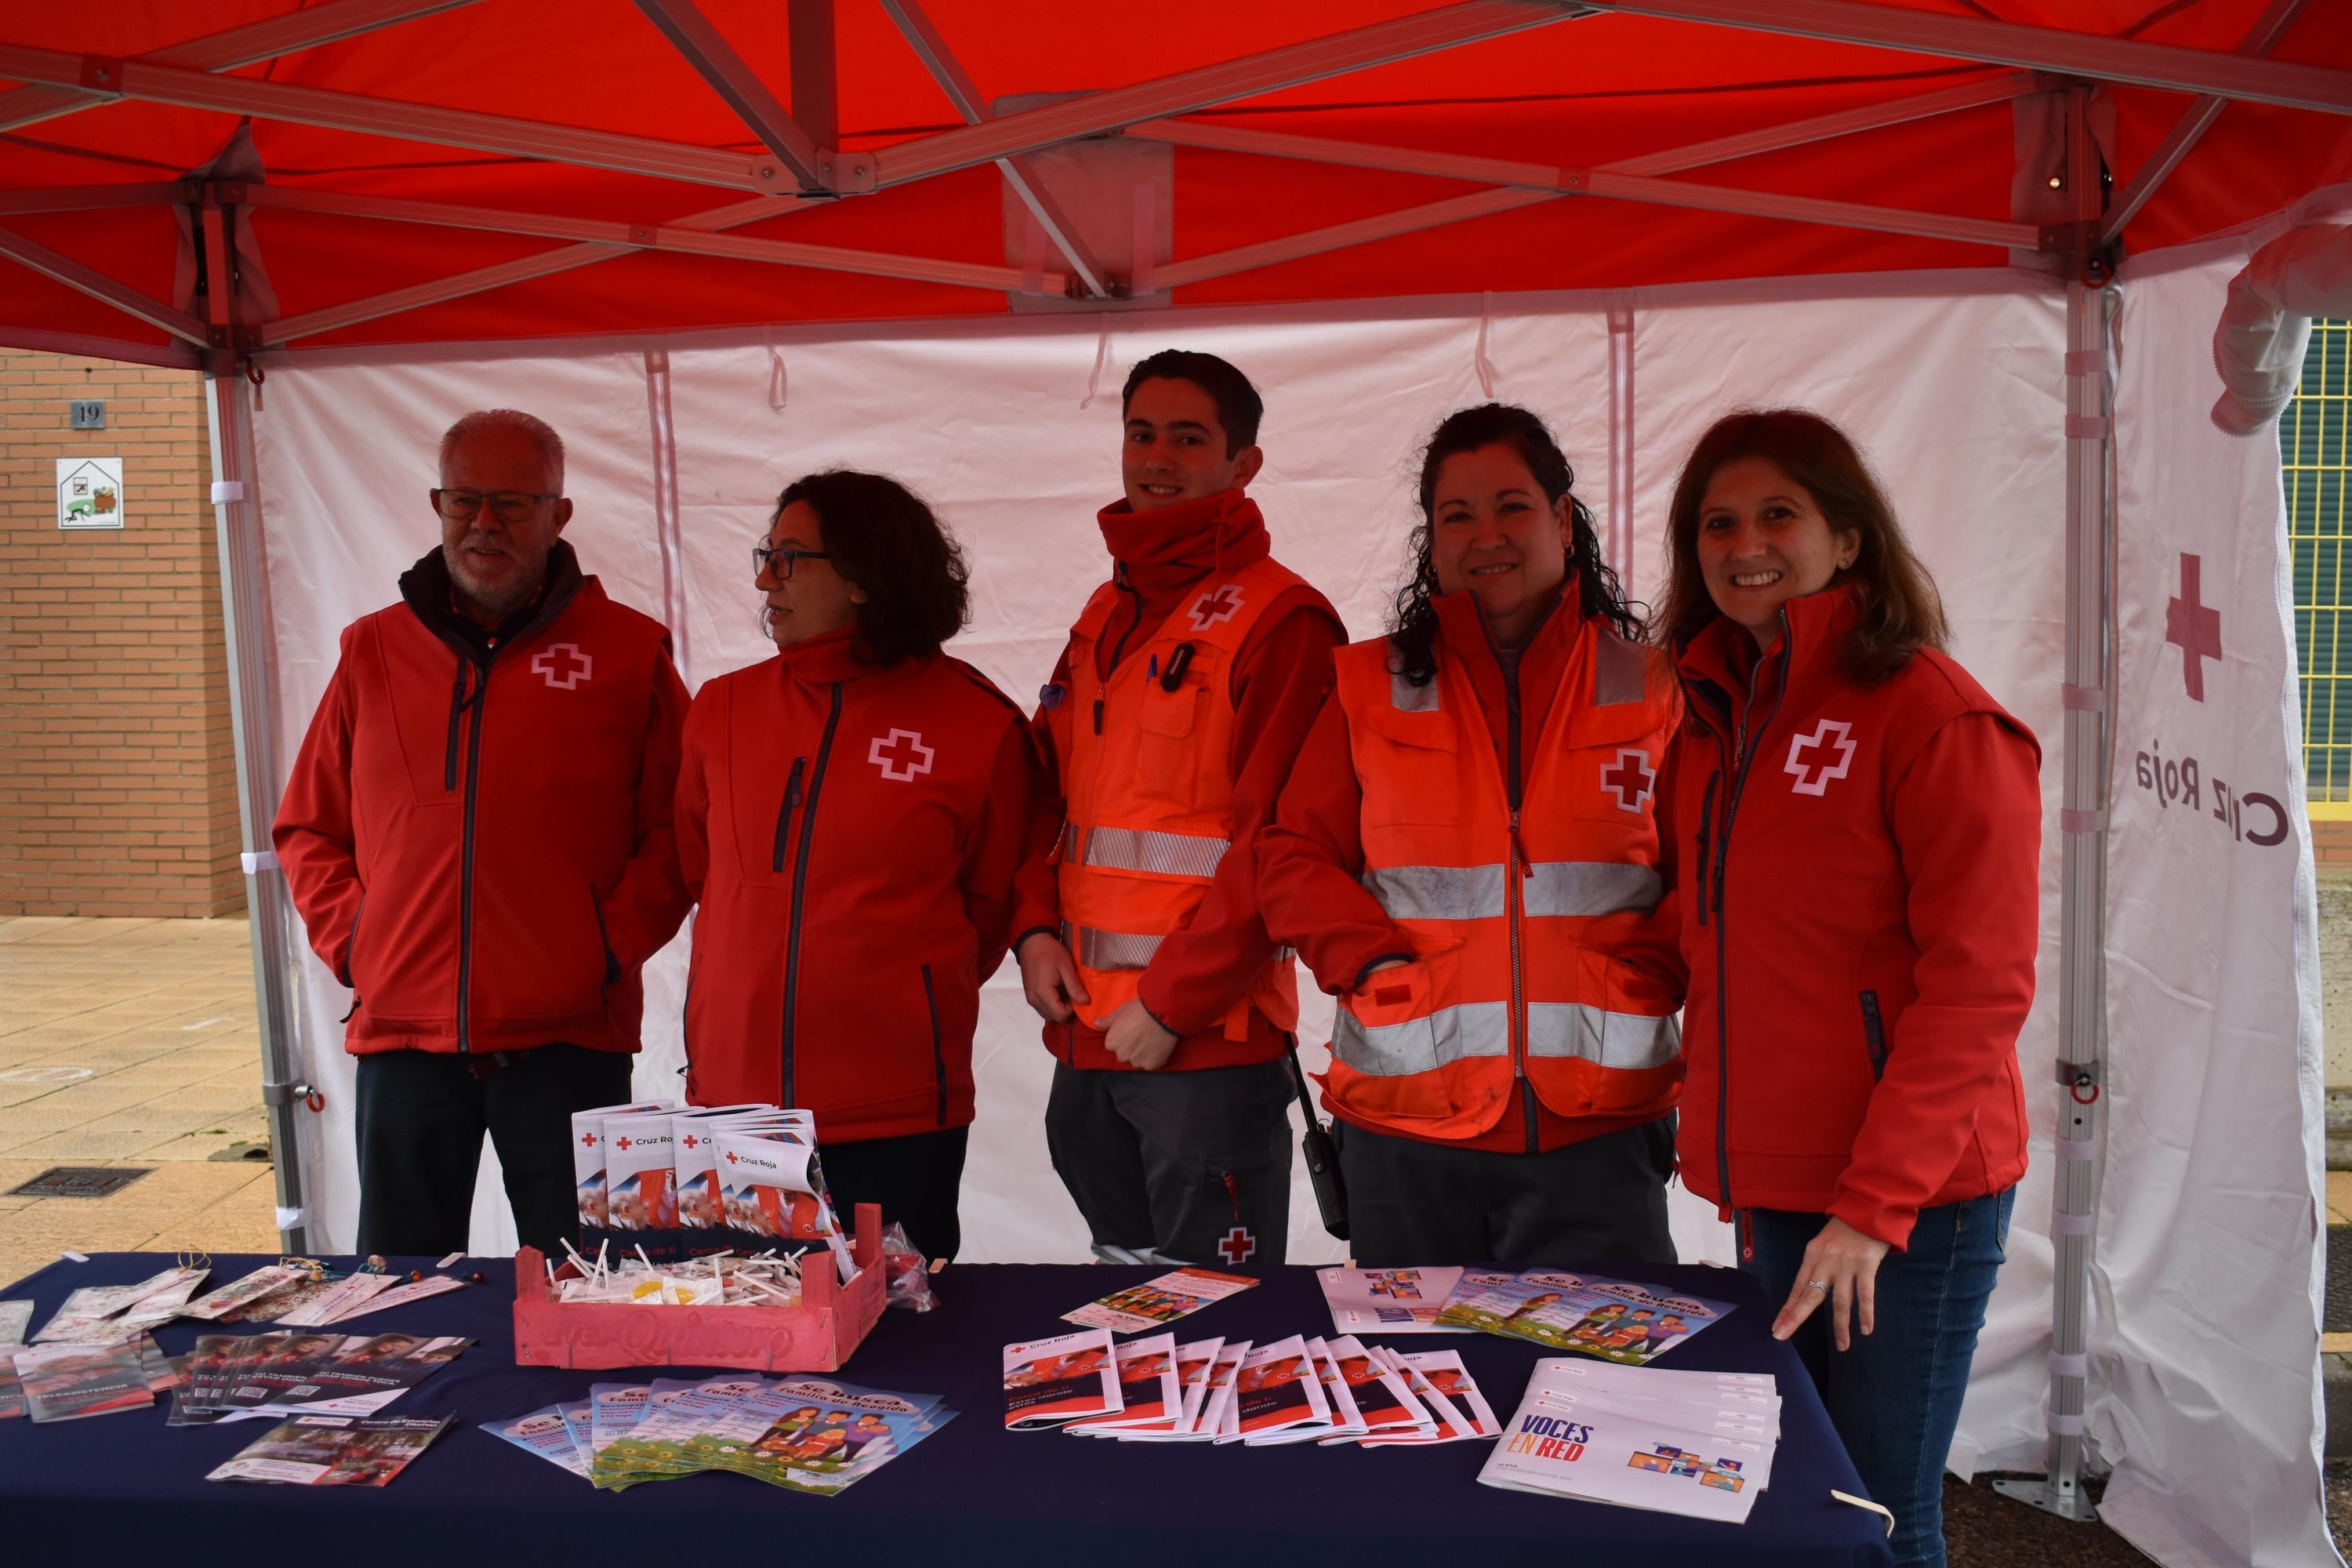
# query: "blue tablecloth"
96,1491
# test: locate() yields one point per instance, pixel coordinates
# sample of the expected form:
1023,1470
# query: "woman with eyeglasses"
850,814
1860,831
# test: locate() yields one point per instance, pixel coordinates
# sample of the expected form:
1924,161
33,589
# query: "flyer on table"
1066,1378
1155,1303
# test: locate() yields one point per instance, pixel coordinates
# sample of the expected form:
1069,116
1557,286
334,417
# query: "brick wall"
2331,845
118,792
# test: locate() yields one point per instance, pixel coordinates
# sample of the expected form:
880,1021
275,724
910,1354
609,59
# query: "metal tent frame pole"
2089,707
252,701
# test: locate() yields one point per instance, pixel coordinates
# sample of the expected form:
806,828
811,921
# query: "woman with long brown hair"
1858,830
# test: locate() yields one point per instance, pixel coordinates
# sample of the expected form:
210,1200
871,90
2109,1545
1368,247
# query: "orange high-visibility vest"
1147,775
1513,920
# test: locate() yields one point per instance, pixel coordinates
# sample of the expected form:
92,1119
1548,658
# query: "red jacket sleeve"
1037,890
1280,681
999,846
690,818
1654,945
1310,861
643,909
316,845
1968,820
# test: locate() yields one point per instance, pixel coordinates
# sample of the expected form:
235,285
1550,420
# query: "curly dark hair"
879,536
1412,624
1901,612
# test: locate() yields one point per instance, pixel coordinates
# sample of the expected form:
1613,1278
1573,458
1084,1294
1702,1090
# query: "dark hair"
1239,407
1413,626
880,536
1901,611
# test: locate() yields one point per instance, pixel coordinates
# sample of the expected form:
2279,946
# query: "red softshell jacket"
1860,893
851,831
477,831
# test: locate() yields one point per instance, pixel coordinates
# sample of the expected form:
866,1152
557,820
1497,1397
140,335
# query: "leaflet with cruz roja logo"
1156,1302
1052,1381
1620,1320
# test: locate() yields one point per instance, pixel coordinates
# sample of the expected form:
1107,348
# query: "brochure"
1382,1400
67,1383
1149,1389
1616,1320
334,1452
1217,1405
542,1432
1390,1300
253,1287
1155,1303
1276,1388
1062,1379
1607,1455
588,1167
640,1202
16,1317
775,1193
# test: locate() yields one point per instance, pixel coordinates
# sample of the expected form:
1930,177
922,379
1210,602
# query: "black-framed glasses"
782,558
507,506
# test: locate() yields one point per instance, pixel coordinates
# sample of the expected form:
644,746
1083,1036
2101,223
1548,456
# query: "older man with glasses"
478,836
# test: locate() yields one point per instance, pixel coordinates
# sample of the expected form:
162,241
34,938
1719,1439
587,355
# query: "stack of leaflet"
111,1314
304,1296
67,1381
804,1434
334,1451
1616,1320
1390,1300
238,1378
669,1183
1294,1390
1693,1443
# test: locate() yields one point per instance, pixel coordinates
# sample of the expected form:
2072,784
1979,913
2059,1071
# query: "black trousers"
1177,1167
1605,1198
917,1179
421,1117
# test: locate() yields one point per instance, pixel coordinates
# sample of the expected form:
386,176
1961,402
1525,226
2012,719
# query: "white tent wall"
1954,384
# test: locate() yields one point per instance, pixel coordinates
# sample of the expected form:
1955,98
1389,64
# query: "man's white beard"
498,603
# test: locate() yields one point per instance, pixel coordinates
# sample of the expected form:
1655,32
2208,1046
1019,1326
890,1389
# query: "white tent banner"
2207,1276
1954,384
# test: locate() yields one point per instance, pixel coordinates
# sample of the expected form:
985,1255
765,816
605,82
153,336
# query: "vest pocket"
1167,766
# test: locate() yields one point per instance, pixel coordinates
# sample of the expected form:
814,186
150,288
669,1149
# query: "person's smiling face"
1763,541
1493,531
1174,447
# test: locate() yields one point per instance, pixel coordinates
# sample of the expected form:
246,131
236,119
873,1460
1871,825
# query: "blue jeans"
1895,1397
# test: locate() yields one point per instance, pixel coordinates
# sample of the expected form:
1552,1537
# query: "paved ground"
133,1042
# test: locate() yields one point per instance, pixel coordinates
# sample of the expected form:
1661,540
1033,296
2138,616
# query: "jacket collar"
1166,550
427,591
823,660
1813,629
1463,636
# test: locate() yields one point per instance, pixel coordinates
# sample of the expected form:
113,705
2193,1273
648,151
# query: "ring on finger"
1817,1284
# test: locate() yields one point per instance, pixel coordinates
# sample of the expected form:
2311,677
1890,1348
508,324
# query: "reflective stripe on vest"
1627,1040
1115,949
1562,888
1193,854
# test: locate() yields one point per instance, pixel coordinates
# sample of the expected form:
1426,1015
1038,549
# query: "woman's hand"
1841,1267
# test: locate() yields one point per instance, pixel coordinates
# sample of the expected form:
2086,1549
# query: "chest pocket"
1411,768
1170,733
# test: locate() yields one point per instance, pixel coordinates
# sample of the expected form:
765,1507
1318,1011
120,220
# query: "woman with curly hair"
1467,856
850,814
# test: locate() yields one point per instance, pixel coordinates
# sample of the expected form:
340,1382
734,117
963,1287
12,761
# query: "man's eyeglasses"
507,506
782,558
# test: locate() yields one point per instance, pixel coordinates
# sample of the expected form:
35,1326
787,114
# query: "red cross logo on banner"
1631,779
623,1144
692,1142
2194,628
901,755
1238,1247
731,1156
1814,777
1221,604
588,1140
562,666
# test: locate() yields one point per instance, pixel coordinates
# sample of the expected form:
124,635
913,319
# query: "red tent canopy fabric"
1552,91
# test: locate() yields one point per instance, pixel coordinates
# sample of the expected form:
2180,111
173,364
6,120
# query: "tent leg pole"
2089,709
236,522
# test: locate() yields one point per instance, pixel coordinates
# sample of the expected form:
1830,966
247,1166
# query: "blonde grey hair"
541,433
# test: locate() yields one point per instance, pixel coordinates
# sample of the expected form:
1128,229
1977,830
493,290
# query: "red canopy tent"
233,190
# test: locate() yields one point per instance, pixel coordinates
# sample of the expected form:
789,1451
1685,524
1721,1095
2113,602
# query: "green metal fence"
2314,459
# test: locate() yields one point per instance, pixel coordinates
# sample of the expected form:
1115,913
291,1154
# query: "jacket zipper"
1741,753
352,939
481,701
1118,648
604,939
1873,1035
938,1055
785,812
800,887
1706,841
1515,903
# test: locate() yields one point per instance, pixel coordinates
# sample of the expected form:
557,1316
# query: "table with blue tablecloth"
96,1491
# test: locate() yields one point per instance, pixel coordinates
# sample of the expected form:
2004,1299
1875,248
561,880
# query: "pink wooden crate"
818,1335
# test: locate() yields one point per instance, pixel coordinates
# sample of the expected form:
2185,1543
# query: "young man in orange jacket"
477,833
1174,714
